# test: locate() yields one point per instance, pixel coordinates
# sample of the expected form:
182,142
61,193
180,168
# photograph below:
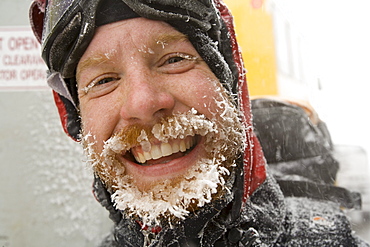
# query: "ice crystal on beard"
186,124
89,150
144,141
161,202
200,183
165,202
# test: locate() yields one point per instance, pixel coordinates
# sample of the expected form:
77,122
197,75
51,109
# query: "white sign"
21,65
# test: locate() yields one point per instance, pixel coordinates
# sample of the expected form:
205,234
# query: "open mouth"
162,152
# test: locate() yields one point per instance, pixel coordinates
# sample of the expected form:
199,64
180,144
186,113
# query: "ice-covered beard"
169,200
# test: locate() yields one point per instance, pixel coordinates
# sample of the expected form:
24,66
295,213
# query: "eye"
101,86
177,63
174,60
104,81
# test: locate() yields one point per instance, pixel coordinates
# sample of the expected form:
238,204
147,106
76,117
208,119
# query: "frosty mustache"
181,126
177,126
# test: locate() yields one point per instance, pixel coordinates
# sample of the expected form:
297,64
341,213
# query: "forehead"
138,31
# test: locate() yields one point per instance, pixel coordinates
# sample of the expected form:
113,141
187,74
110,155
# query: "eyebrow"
95,60
165,38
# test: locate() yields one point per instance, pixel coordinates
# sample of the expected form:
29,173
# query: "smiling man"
158,127
155,90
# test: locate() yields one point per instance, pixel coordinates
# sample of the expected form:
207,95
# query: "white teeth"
156,152
175,147
140,158
166,149
147,156
182,146
163,149
188,143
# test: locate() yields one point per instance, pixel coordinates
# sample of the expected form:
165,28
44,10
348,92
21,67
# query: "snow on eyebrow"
165,39
95,60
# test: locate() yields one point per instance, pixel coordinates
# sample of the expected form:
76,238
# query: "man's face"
152,107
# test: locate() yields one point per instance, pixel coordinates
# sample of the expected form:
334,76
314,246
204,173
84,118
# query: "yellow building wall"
254,29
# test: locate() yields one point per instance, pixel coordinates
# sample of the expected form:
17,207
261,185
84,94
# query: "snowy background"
337,36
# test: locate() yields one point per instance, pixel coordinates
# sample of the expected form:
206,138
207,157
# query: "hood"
209,26
253,162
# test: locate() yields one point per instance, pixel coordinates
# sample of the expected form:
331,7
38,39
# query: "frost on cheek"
105,163
88,147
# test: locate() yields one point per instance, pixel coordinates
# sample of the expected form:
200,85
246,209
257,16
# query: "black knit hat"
112,11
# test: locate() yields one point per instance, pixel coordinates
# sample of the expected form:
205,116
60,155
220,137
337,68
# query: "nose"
147,99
